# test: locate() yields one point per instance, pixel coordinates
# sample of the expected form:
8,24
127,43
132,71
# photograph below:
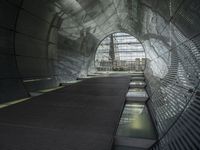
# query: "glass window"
120,52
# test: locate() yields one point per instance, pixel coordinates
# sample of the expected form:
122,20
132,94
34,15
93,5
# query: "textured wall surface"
46,42
173,69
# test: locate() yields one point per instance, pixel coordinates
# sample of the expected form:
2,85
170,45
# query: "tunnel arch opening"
120,51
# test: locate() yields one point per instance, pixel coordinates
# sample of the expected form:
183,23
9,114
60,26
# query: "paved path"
83,116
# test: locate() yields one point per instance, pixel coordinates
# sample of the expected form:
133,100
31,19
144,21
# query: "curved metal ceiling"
46,42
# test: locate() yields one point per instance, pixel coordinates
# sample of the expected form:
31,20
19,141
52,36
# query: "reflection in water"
136,122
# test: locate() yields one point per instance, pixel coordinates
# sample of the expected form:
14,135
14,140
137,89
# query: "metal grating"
175,102
177,94
185,134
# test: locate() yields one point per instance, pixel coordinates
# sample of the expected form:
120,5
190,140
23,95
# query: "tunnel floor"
82,116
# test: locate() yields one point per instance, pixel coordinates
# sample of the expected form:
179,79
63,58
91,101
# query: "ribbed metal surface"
175,100
175,105
185,134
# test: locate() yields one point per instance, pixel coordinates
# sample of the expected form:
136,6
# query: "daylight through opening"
120,52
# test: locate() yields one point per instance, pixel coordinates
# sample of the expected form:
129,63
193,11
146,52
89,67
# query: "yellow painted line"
13,102
73,81
34,80
49,90
24,99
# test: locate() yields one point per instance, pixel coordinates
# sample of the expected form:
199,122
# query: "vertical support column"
112,50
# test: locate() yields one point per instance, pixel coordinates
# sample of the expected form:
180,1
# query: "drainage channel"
136,130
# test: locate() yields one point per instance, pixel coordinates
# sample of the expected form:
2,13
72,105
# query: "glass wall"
120,52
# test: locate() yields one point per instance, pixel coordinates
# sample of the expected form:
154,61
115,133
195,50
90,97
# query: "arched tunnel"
44,43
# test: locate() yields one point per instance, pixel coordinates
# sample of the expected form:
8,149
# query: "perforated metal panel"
185,132
175,99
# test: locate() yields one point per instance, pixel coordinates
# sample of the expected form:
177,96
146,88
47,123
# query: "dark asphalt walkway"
83,116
